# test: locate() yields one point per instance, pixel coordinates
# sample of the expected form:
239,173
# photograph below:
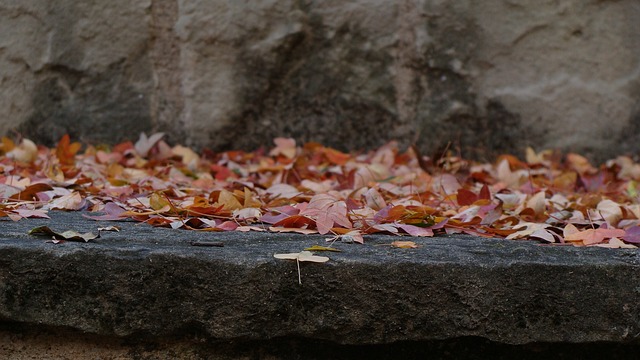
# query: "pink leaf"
112,212
228,226
415,230
632,235
327,211
26,213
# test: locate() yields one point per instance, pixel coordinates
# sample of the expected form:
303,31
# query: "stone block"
480,78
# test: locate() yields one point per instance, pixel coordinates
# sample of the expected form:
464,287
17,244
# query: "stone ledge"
151,283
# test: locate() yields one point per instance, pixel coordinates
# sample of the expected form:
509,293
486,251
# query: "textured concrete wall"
487,77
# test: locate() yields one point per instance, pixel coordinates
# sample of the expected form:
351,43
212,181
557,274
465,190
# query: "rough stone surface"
75,67
19,342
484,77
151,282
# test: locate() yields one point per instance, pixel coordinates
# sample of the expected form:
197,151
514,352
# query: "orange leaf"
295,230
335,156
66,150
404,244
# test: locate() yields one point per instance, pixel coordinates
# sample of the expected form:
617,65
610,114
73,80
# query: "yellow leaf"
302,256
26,152
158,201
537,203
189,157
250,200
144,213
321,248
228,201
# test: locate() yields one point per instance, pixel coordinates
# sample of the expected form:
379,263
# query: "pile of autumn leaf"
316,189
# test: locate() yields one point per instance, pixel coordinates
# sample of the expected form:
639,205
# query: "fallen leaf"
594,236
73,201
526,229
322,248
415,230
404,244
28,213
632,235
327,211
615,243
66,150
112,212
144,143
302,256
26,152
285,147
31,191
69,235
295,230
109,228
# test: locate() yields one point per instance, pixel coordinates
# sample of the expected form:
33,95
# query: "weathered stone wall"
485,76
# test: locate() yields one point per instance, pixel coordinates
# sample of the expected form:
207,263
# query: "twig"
207,243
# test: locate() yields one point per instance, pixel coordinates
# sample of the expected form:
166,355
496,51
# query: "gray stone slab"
145,281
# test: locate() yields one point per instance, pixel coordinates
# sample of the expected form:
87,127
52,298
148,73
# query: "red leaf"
485,193
295,221
30,192
466,197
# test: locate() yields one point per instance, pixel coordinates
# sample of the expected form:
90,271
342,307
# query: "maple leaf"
26,151
188,156
112,212
70,235
632,235
285,147
28,213
295,230
31,192
228,201
348,237
283,190
144,143
319,189
594,236
72,201
615,243
610,211
336,156
66,150
466,197
302,256
321,248
525,229
374,200
415,230
327,211
404,244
